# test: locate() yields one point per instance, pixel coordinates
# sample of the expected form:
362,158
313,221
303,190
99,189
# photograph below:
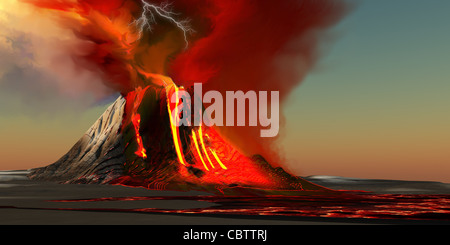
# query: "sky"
376,106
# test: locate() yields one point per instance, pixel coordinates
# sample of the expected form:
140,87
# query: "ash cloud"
37,71
257,46
237,45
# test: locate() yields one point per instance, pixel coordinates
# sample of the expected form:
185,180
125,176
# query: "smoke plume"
258,45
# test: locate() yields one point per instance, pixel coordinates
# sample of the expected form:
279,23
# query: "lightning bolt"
148,19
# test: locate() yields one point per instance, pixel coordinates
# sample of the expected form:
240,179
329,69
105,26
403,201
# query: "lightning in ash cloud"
148,19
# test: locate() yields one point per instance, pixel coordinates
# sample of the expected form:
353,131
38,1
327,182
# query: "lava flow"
354,206
195,157
136,97
135,46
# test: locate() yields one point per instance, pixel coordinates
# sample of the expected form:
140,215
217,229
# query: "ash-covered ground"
23,201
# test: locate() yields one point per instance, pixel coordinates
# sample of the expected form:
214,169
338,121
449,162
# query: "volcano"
96,158
133,46
134,143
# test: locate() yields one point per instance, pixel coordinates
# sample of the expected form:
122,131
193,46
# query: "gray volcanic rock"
380,186
108,153
96,158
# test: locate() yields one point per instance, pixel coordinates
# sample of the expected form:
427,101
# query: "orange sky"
29,142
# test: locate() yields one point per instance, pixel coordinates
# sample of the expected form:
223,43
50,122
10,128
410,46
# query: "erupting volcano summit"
135,143
137,47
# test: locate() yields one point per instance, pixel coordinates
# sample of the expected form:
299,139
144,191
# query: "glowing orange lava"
194,138
200,133
138,95
173,122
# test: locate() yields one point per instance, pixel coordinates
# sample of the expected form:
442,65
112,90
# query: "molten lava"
162,155
134,45
137,97
174,128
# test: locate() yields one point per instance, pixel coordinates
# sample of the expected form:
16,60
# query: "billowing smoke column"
225,45
233,45
257,45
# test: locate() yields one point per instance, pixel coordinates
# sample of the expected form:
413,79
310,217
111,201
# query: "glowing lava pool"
365,206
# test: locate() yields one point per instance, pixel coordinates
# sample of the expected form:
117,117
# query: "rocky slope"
96,158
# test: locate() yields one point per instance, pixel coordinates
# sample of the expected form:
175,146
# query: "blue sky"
381,91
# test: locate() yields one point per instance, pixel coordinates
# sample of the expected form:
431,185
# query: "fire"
211,152
194,137
170,85
217,159
133,61
137,96
141,150
206,146
203,146
205,152
174,128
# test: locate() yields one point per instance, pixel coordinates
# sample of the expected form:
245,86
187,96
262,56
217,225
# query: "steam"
37,69
256,46
237,45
